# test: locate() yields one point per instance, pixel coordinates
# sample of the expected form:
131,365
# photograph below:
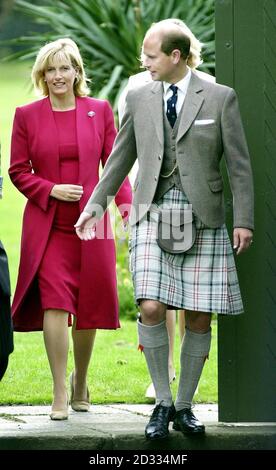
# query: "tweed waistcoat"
169,159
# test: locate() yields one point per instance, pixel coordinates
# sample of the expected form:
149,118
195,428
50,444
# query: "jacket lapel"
155,105
191,105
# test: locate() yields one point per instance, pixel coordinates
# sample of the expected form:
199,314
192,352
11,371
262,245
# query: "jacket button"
159,157
173,147
155,178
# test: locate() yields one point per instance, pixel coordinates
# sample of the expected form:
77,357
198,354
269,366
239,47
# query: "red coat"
34,170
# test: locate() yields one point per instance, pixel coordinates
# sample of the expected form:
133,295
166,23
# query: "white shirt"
182,86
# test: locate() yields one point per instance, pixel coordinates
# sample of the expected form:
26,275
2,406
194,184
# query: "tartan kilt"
203,278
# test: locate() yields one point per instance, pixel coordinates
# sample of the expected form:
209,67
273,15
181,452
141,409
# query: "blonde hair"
62,49
194,57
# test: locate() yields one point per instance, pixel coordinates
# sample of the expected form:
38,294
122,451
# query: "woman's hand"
67,192
85,226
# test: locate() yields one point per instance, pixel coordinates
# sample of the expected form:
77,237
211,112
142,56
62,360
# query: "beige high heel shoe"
78,405
59,415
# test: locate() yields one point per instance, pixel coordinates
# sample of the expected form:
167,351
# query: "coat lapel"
155,105
85,122
47,140
191,106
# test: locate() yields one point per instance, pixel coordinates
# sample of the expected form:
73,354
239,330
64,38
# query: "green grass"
118,371
117,374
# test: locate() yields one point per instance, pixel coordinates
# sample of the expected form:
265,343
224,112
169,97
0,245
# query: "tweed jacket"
210,128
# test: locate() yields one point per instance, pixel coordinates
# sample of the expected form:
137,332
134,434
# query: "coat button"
155,178
159,157
173,147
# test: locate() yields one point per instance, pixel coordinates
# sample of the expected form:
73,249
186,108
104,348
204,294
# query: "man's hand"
85,226
67,192
242,239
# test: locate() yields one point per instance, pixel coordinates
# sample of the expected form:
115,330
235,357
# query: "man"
135,81
178,128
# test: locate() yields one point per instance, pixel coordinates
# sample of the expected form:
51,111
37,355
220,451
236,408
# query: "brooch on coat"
91,113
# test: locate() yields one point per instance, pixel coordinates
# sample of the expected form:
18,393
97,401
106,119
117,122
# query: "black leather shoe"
158,425
186,422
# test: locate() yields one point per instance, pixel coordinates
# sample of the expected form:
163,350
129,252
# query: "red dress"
59,271
50,250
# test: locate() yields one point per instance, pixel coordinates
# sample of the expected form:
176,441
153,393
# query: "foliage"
110,32
13,24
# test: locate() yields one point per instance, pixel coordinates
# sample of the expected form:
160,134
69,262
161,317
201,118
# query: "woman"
58,143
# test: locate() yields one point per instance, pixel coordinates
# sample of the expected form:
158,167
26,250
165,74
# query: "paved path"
121,427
